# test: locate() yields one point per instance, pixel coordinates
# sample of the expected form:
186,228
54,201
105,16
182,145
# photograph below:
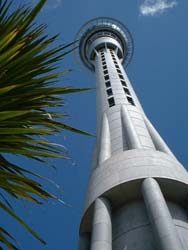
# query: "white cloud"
154,7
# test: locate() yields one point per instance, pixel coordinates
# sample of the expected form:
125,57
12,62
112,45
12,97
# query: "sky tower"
137,197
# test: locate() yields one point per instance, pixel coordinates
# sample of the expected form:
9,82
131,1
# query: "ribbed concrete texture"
137,197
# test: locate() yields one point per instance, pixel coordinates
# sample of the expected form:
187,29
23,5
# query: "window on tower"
120,76
130,100
119,71
123,83
108,84
105,72
126,91
109,92
106,77
104,67
111,102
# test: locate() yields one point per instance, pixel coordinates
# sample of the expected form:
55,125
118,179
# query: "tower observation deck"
138,191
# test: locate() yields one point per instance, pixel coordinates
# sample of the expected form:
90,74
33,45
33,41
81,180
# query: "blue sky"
158,73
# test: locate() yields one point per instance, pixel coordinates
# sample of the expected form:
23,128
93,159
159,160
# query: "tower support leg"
102,226
160,217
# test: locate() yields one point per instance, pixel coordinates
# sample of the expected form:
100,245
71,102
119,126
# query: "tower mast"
137,190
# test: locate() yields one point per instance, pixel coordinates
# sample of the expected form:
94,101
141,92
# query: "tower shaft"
136,197
120,119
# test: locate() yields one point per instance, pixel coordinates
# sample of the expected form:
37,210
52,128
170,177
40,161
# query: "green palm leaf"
28,88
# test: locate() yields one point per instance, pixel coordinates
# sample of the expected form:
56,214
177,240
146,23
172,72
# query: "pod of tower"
137,197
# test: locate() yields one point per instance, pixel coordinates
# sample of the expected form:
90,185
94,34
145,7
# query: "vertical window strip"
124,85
109,92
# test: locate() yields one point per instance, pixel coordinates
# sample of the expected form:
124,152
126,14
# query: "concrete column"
130,132
105,144
101,238
84,242
160,217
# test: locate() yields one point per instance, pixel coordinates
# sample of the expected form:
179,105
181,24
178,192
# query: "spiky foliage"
28,77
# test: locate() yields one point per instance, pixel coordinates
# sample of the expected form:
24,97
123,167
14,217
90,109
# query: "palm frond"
28,88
